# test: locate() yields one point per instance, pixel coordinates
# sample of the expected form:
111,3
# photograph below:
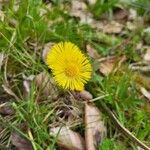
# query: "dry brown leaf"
132,14
67,138
139,148
79,10
147,55
107,66
121,14
92,52
46,49
6,109
131,26
145,93
95,131
78,5
139,46
46,86
113,27
111,64
98,25
20,142
84,95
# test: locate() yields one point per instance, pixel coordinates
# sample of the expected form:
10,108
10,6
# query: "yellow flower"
71,69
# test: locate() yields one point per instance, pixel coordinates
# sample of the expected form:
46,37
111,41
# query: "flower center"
71,70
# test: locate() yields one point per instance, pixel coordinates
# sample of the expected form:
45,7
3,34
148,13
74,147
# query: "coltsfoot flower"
70,67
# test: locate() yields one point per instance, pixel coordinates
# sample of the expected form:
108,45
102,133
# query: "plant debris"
68,138
95,131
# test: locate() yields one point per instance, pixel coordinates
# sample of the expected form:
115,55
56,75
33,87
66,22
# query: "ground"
114,35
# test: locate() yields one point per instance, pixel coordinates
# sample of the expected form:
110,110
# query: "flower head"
71,69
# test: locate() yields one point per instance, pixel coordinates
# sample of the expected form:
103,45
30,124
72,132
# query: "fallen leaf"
20,142
78,5
131,26
92,52
139,46
84,95
46,49
132,14
67,138
139,148
95,131
147,55
108,65
113,27
46,86
79,10
98,25
121,15
145,93
6,109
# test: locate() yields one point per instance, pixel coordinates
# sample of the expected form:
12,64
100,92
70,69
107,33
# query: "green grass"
37,119
23,34
101,7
